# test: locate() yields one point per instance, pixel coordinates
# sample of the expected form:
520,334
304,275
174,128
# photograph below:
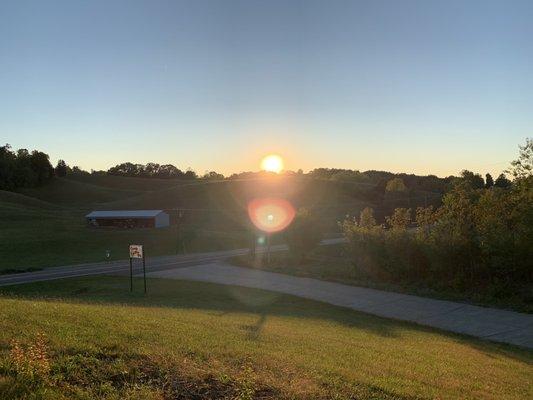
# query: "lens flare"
271,214
272,163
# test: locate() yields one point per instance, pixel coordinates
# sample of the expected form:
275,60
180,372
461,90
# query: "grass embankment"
198,340
331,263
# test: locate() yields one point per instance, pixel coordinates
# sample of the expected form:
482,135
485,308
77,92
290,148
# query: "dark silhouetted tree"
489,182
61,169
190,174
474,180
213,176
523,166
40,164
23,169
502,182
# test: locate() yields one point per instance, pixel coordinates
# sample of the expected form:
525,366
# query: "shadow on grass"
218,299
221,300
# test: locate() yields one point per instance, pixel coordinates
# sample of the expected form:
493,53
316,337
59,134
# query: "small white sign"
136,251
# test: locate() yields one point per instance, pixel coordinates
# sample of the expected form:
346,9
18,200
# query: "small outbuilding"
129,219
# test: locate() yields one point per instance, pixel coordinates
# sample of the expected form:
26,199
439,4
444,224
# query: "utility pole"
268,248
178,230
253,244
144,270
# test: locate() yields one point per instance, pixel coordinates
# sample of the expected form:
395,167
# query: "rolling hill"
45,226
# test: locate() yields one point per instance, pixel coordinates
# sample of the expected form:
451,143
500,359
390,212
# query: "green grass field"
203,341
38,238
45,226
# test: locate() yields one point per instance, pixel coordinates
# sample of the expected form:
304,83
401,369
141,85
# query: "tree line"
22,168
151,170
479,240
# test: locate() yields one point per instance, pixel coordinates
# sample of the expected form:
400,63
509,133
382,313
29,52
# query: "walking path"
487,323
122,266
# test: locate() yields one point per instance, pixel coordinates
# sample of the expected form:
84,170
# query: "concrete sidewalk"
487,323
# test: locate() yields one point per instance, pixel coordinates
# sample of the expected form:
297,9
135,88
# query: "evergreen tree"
61,168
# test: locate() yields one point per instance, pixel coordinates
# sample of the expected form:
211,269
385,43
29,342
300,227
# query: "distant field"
71,193
38,234
119,182
204,341
45,226
37,237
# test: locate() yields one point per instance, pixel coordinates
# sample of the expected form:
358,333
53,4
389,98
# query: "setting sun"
272,163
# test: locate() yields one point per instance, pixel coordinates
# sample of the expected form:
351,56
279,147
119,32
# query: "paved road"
153,264
487,323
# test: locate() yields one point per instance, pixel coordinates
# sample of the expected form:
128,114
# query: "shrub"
304,234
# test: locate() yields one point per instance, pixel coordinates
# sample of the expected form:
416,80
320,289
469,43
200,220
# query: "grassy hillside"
126,183
39,238
222,205
11,199
236,193
71,193
45,226
205,341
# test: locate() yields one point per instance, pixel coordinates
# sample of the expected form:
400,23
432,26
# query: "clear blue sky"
414,86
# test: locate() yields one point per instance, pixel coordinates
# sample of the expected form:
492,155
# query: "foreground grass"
198,340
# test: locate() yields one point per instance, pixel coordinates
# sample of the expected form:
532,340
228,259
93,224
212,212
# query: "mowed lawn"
35,234
199,340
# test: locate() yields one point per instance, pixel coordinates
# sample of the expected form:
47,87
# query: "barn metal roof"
124,214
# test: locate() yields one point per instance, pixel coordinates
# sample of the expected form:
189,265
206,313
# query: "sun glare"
272,163
271,214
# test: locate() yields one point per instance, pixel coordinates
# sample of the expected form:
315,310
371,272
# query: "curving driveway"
486,323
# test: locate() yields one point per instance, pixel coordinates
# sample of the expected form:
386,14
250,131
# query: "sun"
272,163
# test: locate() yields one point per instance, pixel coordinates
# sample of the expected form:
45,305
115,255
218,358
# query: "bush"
304,234
479,239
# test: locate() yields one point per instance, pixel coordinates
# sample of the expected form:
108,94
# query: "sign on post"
137,251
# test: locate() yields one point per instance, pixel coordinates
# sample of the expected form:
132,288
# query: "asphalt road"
153,264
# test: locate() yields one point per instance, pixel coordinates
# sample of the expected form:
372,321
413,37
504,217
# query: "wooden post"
131,276
144,270
253,244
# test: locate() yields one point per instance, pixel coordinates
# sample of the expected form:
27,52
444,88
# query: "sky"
425,87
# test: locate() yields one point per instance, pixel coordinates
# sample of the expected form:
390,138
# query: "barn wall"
125,222
162,220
